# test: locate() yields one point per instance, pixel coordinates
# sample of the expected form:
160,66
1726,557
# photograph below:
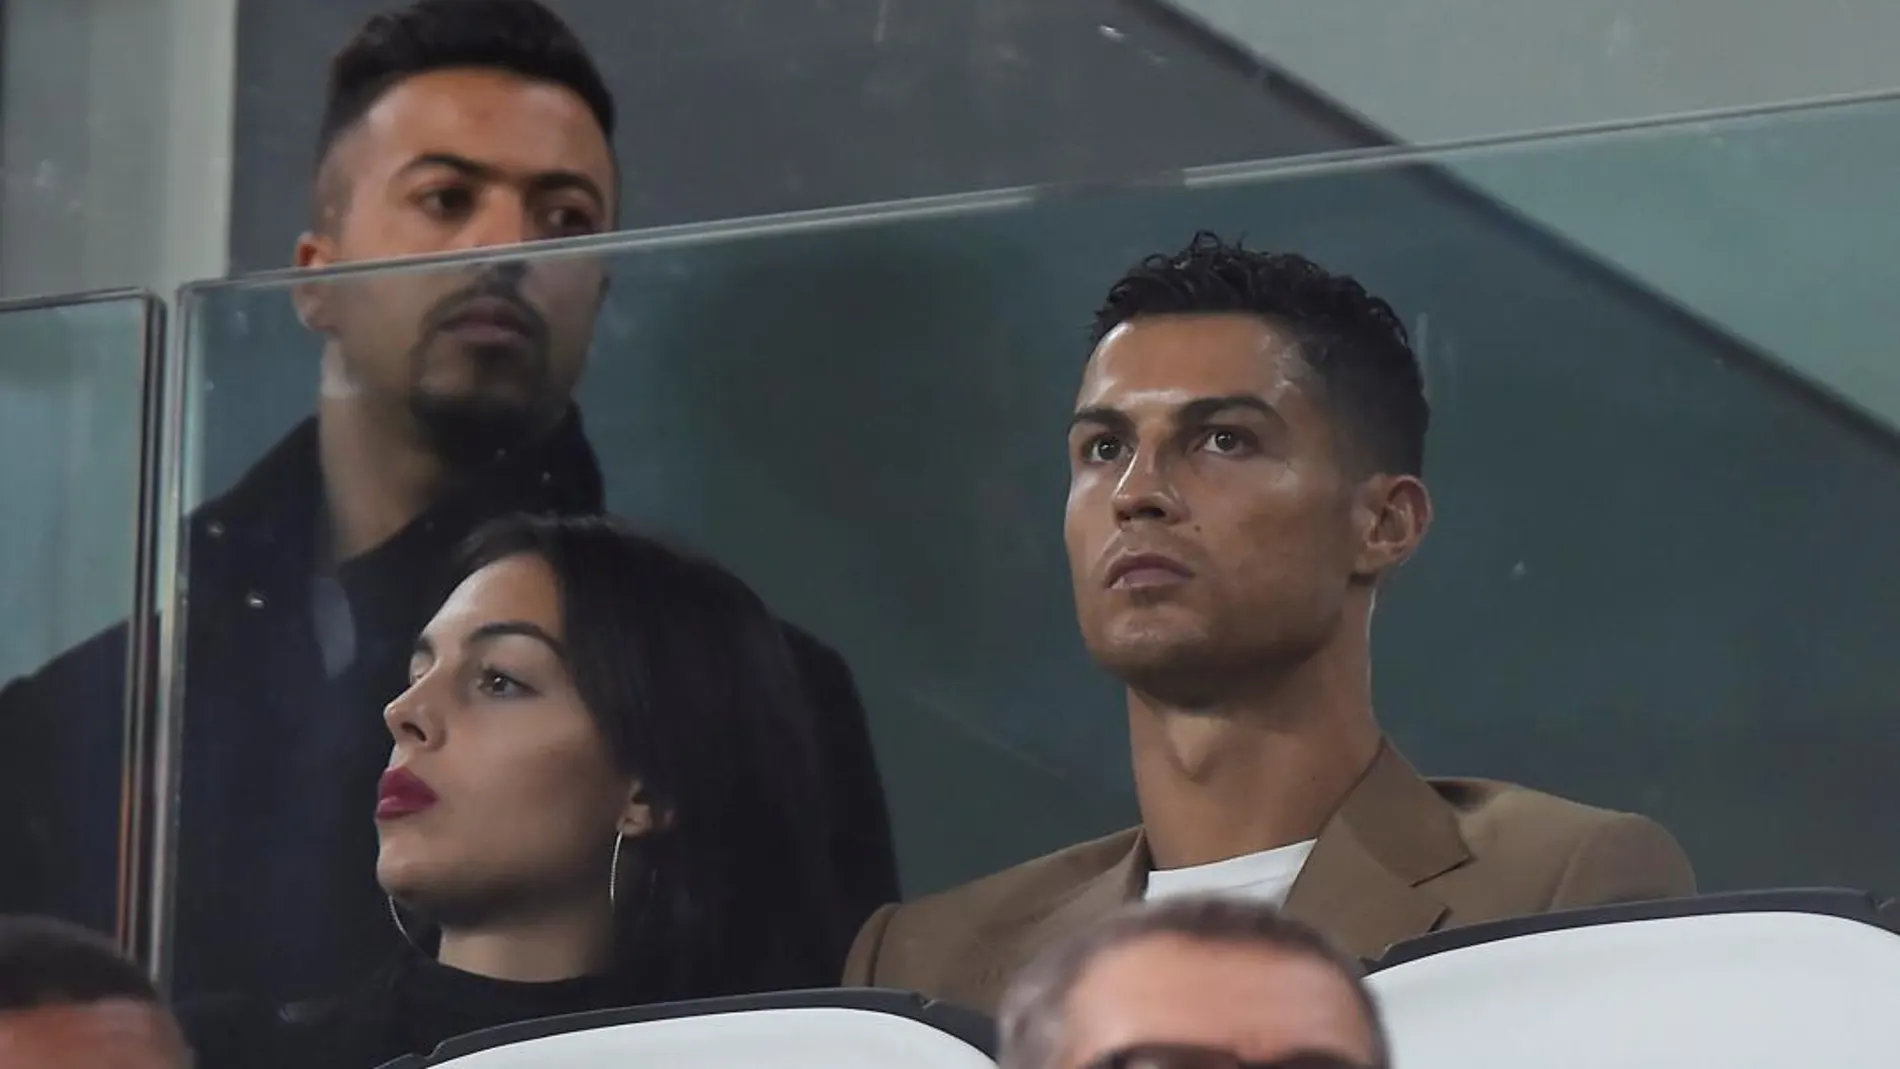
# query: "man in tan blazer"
1245,471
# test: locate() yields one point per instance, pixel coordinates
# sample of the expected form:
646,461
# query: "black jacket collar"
269,520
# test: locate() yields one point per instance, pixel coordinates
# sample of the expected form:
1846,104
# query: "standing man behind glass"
445,399
1245,466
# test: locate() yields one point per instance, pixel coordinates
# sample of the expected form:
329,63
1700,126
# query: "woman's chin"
403,875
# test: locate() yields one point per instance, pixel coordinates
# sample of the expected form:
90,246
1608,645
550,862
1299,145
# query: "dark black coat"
276,888
408,1007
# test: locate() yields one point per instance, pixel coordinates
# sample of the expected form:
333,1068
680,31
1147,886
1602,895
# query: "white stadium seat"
1761,980
855,1029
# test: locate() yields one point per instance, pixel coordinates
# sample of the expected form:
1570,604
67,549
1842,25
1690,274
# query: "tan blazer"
1403,856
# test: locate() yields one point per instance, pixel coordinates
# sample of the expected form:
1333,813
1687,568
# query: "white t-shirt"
1263,877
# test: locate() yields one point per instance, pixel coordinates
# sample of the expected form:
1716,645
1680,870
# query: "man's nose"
1147,492
505,274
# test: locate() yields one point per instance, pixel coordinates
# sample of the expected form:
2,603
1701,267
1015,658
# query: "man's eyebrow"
1202,409
1199,410
1102,415
475,169
560,181
459,164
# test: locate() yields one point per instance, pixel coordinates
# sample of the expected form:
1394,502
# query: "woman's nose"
408,717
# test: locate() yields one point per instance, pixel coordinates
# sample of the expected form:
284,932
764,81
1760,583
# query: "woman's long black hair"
694,686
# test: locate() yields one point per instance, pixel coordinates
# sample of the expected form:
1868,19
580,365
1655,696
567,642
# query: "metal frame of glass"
139,758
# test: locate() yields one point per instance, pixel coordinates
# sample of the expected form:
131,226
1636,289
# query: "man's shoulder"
1557,851
964,944
1021,894
1493,814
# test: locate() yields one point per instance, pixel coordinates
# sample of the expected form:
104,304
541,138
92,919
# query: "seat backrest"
796,1030
1743,981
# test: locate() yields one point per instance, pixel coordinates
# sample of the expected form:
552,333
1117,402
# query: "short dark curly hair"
1353,342
521,37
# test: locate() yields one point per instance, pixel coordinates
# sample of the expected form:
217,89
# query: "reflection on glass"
72,448
1647,575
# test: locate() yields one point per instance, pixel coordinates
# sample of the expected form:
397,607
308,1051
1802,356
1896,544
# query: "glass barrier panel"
1652,584
76,377
734,109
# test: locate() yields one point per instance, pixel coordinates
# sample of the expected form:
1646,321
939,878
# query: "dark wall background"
744,107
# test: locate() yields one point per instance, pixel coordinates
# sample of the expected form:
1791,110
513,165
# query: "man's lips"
490,316
1145,569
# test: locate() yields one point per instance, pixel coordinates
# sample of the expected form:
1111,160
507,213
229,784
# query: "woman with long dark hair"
601,792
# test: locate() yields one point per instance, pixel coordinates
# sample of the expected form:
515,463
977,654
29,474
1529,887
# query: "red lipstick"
402,793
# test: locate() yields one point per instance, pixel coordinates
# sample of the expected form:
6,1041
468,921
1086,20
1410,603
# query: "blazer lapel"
1361,883
1120,884
1091,900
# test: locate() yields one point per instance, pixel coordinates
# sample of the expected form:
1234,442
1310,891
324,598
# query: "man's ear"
1393,512
313,250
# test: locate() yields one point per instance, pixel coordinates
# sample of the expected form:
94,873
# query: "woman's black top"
408,1008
